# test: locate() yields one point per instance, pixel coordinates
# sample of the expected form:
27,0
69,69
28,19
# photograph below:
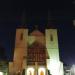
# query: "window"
51,37
21,37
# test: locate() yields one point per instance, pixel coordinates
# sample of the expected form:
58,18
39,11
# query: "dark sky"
61,15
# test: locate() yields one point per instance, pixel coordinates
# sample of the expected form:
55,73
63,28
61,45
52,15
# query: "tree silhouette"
2,53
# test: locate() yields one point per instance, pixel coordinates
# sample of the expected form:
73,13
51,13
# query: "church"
36,53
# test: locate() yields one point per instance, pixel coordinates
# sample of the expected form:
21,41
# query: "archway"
30,71
42,71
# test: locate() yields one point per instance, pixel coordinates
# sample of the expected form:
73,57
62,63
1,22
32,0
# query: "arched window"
21,36
51,37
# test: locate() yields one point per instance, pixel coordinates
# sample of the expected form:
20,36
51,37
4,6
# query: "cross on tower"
36,27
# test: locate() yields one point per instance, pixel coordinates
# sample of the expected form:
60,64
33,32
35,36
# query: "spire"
49,16
23,19
50,23
36,27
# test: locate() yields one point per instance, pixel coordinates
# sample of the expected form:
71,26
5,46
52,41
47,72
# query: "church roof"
38,46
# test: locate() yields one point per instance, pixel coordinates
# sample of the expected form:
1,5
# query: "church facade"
36,53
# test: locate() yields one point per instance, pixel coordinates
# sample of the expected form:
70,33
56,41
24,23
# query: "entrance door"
41,71
30,71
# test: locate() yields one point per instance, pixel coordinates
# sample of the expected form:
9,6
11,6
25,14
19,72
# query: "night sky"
61,15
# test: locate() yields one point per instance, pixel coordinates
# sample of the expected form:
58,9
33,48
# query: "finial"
36,27
50,23
23,18
49,15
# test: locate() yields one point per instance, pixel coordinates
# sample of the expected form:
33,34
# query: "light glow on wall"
73,70
53,66
42,71
30,71
53,50
1,73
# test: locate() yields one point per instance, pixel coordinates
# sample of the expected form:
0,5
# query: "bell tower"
20,49
53,51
